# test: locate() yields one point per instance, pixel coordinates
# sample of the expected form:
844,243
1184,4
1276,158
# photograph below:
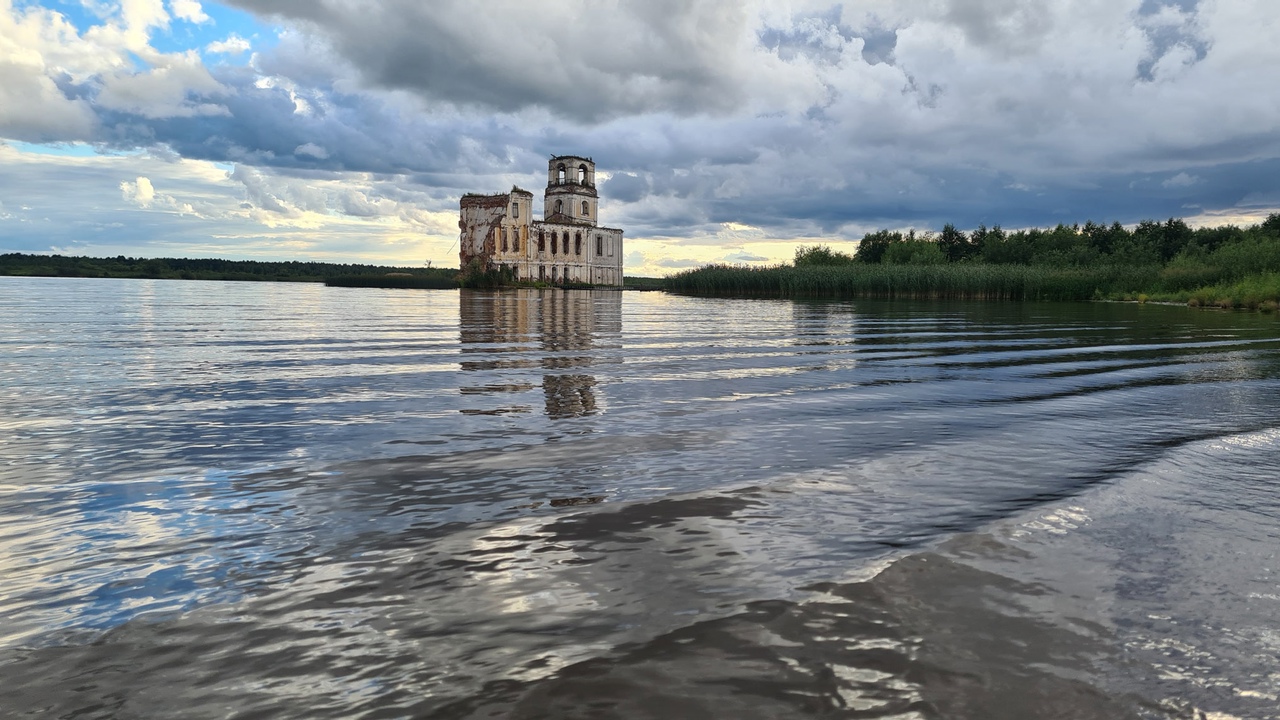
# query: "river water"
224,500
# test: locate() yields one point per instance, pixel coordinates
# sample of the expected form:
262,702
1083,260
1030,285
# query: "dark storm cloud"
1007,26
582,60
878,44
967,200
625,187
263,126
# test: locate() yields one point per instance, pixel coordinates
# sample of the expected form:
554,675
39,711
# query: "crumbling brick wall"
480,219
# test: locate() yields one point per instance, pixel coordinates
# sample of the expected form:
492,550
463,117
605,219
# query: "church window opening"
515,210
554,241
586,209
515,240
560,173
577,243
542,241
504,240
599,245
559,206
582,174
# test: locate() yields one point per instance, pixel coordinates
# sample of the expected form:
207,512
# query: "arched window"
599,245
504,240
560,173
555,237
586,209
542,241
582,174
577,243
559,207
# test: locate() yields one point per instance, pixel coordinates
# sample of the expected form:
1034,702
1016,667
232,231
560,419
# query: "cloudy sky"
723,130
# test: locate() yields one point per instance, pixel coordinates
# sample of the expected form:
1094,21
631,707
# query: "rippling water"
277,500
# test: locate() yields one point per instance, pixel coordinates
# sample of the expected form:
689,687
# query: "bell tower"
571,191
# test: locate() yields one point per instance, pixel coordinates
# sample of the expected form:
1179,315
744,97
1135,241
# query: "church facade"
567,246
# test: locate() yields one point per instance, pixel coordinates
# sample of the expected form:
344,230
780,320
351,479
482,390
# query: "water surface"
277,500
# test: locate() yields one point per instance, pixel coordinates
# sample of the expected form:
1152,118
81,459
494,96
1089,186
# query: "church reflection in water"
509,337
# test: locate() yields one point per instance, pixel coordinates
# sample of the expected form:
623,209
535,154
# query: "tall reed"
955,281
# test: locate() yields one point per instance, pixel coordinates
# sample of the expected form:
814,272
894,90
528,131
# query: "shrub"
821,255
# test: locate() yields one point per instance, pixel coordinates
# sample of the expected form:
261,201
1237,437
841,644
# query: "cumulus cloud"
188,10
165,90
32,105
139,191
57,82
311,150
232,45
143,194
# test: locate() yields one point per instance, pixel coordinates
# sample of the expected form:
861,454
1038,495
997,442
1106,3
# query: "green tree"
873,245
955,244
914,252
1271,226
1176,236
821,255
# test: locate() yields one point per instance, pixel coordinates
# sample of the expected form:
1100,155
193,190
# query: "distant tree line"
1224,250
201,268
1225,265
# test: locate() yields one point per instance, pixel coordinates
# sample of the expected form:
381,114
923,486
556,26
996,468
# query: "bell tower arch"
571,190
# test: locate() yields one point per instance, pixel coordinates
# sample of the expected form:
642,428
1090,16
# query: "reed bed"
960,281
395,281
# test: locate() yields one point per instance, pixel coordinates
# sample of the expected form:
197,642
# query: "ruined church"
566,246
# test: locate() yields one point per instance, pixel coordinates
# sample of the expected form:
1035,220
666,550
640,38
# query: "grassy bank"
1255,292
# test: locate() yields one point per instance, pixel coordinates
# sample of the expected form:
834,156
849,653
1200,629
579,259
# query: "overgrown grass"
969,281
1254,292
